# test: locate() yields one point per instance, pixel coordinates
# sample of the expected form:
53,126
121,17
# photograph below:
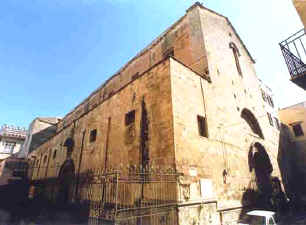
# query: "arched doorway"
260,164
65,181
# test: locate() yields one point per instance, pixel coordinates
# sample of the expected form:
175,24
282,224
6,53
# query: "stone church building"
179,135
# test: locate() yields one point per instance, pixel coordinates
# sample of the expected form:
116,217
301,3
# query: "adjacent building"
179,135
294,124
269,105
300,6
40,130
11,140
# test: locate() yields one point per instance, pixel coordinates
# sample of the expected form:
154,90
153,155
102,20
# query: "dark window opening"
236,56
270,101
8,147
297,129
54,154
263,94
45,159
130,117
270,119
93,135
202,124
277,123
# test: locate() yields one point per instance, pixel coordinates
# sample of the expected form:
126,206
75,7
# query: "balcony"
294,52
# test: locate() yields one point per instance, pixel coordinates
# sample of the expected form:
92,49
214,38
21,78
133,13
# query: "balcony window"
8,147
277,125
270,119
297,129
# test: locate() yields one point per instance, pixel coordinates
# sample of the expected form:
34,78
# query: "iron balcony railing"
294,52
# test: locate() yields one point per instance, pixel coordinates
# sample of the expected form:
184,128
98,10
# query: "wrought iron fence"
114,196
293,49
131,196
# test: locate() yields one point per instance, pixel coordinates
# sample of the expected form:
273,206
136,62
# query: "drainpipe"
106,145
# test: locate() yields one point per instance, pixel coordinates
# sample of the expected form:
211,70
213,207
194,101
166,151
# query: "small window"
270,101
130,118
93,135
270,119
202,126
45,159
276,123
263,94
54,154
8,147
297,129
236,56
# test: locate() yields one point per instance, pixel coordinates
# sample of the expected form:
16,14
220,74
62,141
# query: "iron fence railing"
112,195
294,52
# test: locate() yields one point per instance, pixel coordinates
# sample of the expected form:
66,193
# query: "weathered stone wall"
223,157
121,142
293,151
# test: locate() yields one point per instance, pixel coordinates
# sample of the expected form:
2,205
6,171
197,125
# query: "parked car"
258,217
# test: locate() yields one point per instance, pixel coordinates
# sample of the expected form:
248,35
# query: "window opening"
297,129
93,135
236,56
270,119
202,125
130,118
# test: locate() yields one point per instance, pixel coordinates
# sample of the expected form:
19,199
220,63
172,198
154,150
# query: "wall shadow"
264,191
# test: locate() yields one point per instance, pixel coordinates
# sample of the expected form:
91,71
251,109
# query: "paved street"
62,218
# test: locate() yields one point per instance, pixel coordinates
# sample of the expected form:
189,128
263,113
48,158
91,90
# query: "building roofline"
140,53
290,106
228,21
42,119
151,45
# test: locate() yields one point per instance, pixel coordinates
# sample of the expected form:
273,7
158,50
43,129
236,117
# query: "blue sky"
54,53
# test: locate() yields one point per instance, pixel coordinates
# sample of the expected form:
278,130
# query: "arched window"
69,143
251,120
236,56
